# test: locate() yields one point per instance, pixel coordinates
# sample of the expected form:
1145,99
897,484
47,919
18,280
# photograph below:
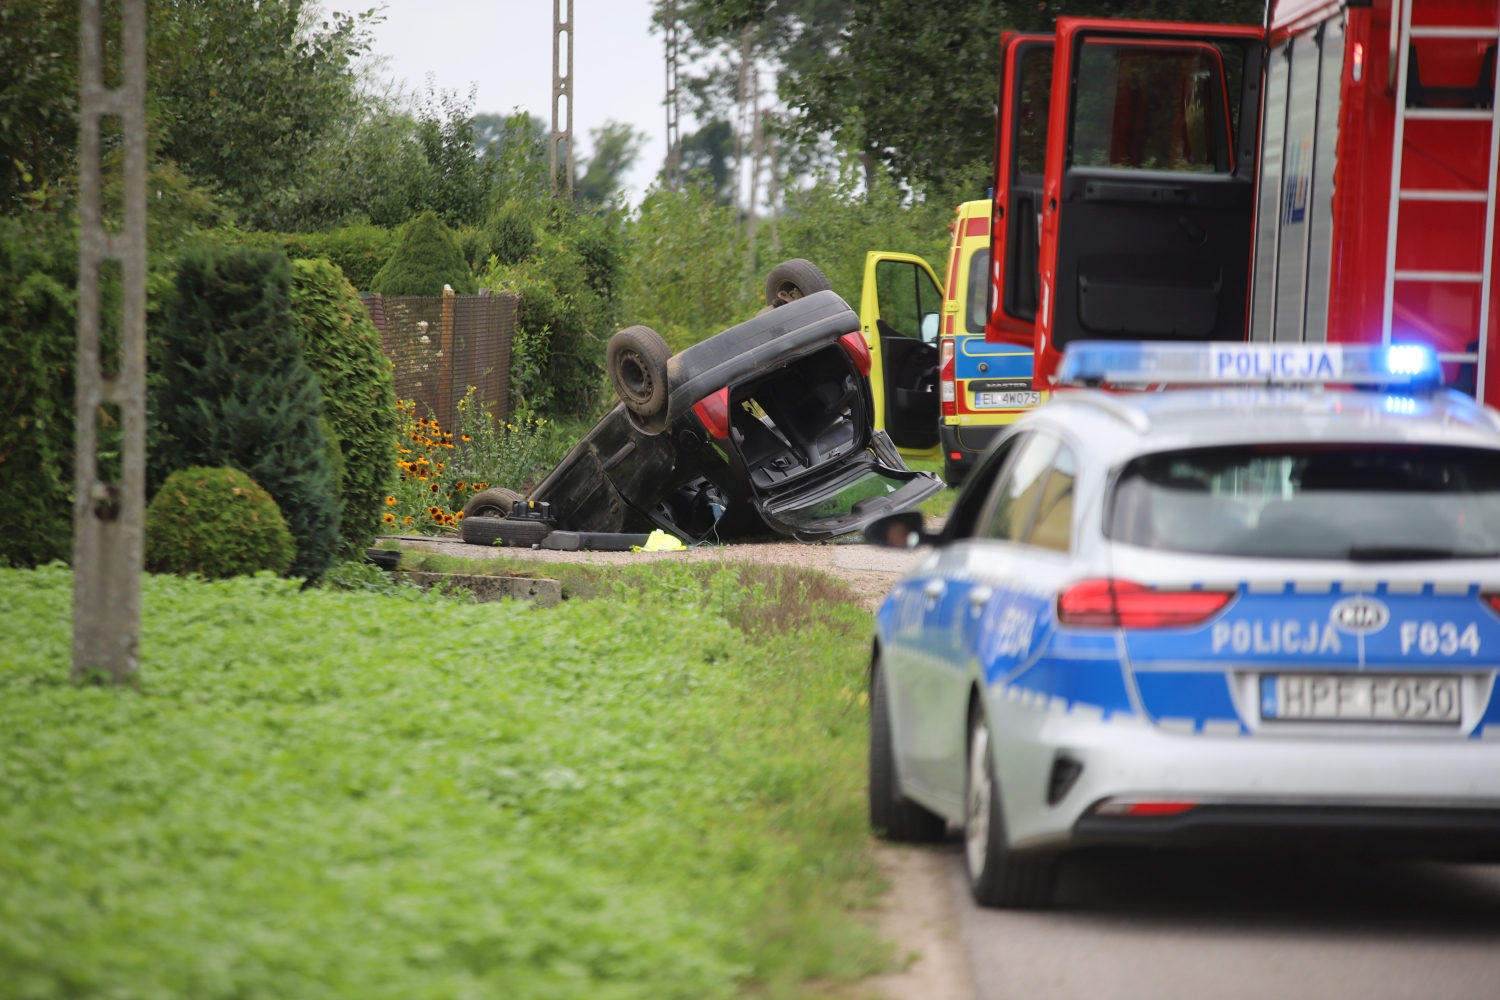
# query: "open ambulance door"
1021,113
1149,195
900,309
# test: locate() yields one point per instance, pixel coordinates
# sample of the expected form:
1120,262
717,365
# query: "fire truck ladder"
1400,52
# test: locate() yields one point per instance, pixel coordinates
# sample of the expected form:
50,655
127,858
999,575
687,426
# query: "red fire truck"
1330,177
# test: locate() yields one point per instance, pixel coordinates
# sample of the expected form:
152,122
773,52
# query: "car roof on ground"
1121,424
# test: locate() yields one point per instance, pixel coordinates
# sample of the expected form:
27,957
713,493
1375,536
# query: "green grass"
352,794
938,504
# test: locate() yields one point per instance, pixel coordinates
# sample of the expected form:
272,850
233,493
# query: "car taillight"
859,352
1122,604
1493,600
948,394
1139,807
713,411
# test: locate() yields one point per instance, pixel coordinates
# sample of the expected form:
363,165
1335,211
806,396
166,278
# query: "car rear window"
1365,503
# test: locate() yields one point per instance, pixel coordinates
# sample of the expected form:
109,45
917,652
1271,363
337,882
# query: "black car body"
766,425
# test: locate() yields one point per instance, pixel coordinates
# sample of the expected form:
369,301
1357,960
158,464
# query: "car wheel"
493,502
998,876
791,280
508,532
892,816
636,359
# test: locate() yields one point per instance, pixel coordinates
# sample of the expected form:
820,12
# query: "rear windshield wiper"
1410,553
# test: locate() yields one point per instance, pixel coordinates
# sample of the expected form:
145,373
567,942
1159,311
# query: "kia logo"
1359,615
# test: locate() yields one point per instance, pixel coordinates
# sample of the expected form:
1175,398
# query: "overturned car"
768,424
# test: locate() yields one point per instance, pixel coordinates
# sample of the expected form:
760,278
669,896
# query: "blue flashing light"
1408,359
1149,363
1403,405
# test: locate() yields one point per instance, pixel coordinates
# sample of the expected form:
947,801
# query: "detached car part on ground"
769,424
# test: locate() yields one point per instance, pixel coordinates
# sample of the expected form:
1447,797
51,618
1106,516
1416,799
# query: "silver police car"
1262,610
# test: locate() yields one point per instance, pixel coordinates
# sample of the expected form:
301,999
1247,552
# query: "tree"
616,148
232,390
245,93
707,155
910,85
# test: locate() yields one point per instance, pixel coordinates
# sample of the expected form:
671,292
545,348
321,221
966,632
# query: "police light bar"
1102,362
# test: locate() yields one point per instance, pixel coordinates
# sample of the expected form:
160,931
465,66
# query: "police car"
1260,607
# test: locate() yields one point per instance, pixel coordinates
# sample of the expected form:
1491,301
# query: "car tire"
793,279
998,876
493,502
892,816
636,359
505,531
953,474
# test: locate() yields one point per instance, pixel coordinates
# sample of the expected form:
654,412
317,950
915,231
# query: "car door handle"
933,589
981,595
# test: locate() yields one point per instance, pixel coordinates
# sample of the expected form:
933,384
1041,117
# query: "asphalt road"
1228,925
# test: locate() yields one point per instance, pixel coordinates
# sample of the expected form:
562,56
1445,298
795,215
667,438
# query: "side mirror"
929,328
899,531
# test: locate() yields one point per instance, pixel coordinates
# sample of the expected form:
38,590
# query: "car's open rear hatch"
802,433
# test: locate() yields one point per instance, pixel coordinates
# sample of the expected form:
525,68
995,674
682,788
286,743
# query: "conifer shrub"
216,523
426,258
343,349
232,389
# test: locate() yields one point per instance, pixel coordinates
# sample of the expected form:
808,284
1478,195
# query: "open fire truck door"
1149,197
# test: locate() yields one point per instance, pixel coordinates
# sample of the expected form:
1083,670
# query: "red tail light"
948,394
1126,807
1493,600
859,352
713,411
1122,604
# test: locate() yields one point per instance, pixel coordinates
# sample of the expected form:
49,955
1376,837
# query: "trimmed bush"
359,251
38,358
233,390
343,349
216,523
426,258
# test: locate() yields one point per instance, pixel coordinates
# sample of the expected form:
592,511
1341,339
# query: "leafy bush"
216,523
233,389
512,233
333,795
343,349
689,276
568,308
426,257
516,452
38,358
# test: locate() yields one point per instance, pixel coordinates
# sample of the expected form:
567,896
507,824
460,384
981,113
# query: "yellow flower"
390,501
390,519
465,437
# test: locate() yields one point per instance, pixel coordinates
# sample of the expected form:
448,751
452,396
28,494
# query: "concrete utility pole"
742,125
673,172
108,518
562,91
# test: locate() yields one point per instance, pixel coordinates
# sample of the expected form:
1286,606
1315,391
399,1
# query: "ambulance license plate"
1420,698
1005,400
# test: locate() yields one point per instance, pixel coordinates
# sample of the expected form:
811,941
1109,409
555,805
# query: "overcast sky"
505,48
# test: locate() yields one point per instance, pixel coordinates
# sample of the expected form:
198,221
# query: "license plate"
1005,400
1360,698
